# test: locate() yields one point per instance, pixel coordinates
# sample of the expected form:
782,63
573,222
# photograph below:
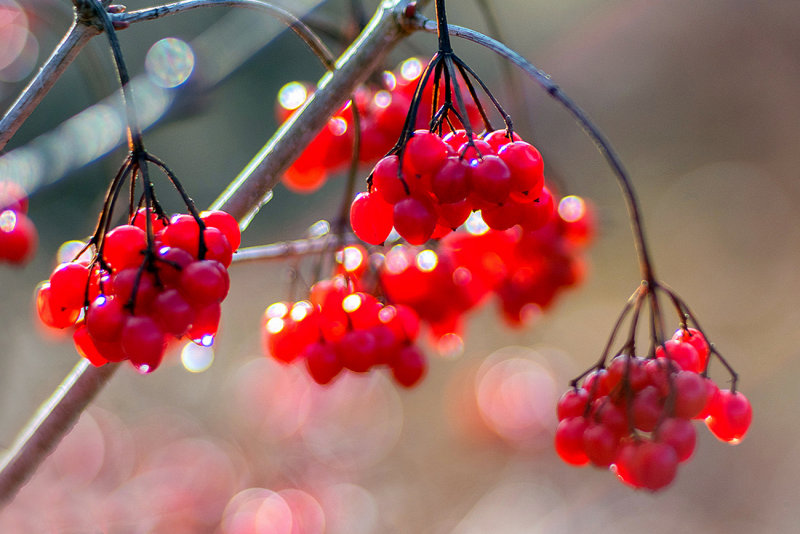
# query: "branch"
242,199
73,42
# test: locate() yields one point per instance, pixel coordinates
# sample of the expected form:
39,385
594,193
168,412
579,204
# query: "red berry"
203,283
68,285
415,219
371,218
572,403
172,312
729,416
322,362
143,342
600,444
680,435
425,152
18,237
569,440
409,366
386,180
105,318
226,224
490,179
50,313
123,247
526,167
657,465
682,354
450,183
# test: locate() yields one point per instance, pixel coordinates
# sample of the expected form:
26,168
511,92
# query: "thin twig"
603,145
76,38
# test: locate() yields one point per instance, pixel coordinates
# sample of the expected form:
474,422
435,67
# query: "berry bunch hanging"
18,236
343,326
634,414
381,111
128,303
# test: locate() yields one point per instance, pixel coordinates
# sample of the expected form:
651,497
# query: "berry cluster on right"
635,415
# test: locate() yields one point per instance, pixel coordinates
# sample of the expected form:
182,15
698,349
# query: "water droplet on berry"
475,224
196,358
571,208
427,260
411,69
169,62
292,95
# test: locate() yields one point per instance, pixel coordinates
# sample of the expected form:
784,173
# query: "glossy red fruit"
183,232
526,167
386,180
696,339
499,138
50,313
572,403
415,219
729,416
451,182
657,465
203,283
682,354
105,318
569,440
18,237
123,247
357,350
68,285
600,444
86,346
143,342
680,435
322,362
172,312
425,152
371,218
226,224
490,179
409,366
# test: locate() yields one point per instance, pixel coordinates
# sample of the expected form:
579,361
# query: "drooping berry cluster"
434,184
18,236
128,303
382,113
634,416
340,328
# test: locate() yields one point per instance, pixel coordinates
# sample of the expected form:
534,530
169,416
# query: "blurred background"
701,101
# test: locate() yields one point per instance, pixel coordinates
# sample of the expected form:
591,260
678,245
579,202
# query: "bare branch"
73,42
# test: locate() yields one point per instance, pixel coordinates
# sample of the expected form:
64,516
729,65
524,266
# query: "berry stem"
603,145
49,424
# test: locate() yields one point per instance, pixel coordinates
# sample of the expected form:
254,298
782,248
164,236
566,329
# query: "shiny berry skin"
415,219
600,445
569,440
68,285
525,164
18,237
371,218
123,247
226,224
682,354
729,416
143,343
386,180
322,362
657,465
203,283
490,179
50,313
105,318
425,152
680,435
409,366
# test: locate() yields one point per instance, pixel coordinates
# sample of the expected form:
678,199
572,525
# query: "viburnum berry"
18,237
729,416
371,218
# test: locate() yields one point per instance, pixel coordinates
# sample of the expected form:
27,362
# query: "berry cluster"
525,268
635,415
136,296
433,184
18,236
381,114
340,328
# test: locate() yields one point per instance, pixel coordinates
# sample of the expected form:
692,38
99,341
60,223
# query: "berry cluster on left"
125,303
